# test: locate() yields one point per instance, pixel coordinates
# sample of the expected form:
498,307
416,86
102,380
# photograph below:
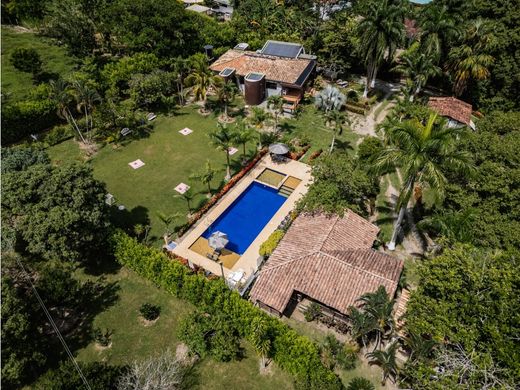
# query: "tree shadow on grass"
343,145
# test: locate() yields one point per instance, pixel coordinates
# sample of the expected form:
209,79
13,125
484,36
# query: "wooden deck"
228,258
292,182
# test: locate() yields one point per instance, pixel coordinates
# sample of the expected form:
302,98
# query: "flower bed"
315,155
298,155
198,215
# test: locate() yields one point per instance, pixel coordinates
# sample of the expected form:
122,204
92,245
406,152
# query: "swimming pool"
245,218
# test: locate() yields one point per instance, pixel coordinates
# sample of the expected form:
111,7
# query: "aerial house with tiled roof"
455,110
279,68
326,259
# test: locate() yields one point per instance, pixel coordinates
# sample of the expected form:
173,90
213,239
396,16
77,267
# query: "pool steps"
285,191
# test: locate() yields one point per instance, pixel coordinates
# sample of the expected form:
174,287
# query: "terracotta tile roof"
400,311
280,69
410,26
452,108
329,259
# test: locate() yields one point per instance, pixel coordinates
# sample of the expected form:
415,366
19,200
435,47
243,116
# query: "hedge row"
293,353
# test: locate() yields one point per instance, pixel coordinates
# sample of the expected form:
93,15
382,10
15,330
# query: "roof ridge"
287,262
329,232
357,268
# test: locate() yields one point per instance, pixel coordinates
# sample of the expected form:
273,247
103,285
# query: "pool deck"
248,262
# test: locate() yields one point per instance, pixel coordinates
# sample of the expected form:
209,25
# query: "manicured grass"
55,60
311,125
362,369
169,157
132,341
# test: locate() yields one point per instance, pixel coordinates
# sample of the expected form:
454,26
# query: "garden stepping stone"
232,151
136,164
182,188
186,131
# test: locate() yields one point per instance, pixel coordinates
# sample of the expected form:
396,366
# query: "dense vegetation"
458,188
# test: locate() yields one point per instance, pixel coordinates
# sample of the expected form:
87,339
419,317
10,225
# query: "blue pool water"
245,218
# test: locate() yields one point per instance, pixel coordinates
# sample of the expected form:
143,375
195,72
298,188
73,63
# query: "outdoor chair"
125,131
151,116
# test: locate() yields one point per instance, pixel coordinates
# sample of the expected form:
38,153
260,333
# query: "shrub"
355,109
58,134
102,337
312,312
337,353
267,248
293,353
26,60
360,383
150,312
368,148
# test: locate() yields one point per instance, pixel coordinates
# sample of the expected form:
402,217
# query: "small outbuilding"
457,111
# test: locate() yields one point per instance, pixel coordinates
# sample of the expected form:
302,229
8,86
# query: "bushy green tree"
58,211
338,184
17,159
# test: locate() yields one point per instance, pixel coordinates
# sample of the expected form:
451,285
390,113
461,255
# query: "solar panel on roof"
282,49
303,76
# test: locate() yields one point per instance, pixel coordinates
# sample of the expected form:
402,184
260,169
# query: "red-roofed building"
457,111
327,259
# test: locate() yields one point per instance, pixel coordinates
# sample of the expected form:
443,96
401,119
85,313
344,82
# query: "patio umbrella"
218,240
278,149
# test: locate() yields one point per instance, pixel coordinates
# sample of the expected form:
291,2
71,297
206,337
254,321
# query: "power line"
58,333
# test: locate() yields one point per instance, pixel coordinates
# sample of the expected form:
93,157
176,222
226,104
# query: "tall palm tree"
86,98
418,67
60,94
243,134
329,98
259,337
338,120
180,67
201,79
386,360
275,103
258,117
422,153
188,196
362,325
378,308
471,60
206,175
381,31
222,139
438,28
226,92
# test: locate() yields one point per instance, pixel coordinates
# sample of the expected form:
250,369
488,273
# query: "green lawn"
54,58
169,159
132,341
311,125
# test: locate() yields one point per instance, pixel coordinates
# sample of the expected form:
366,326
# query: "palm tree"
381,31
168,221
275,103
338,120
205,176
188,196
378,307
242,135
471,60
422,153
59,93
201,79
420,347
418,67
386,360
329,98
222,139
360,383
180,68
438,28
362,325
452,226
259,337
258,117
86,98
226,92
